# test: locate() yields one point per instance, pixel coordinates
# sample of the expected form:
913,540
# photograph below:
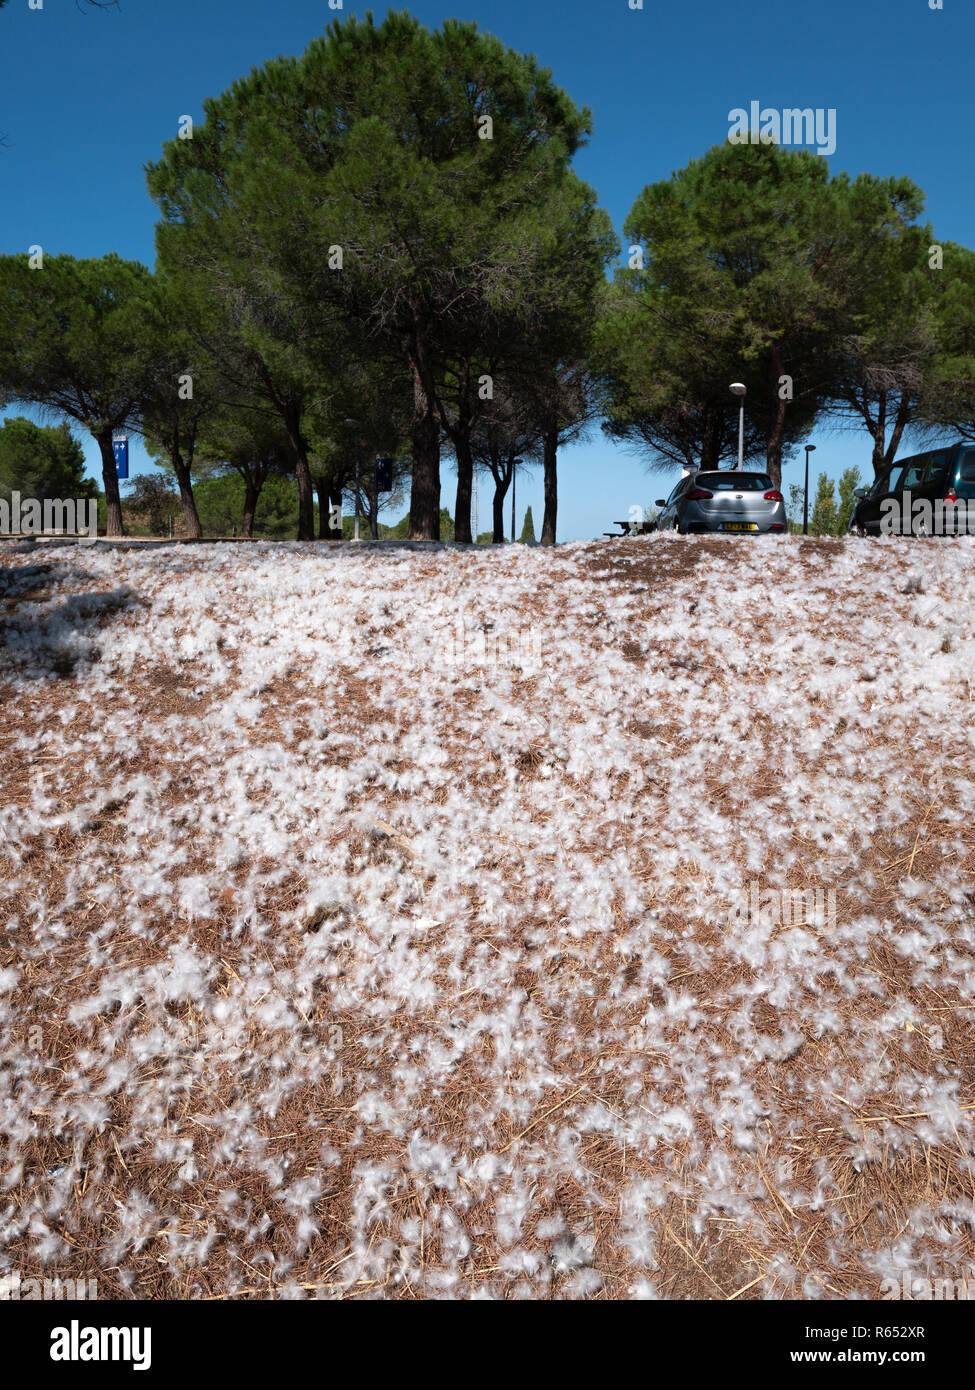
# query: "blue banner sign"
120,448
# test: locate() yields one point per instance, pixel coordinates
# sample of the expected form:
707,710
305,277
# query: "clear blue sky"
87,97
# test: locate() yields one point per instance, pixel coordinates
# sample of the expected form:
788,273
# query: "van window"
937,468
911,474
968,467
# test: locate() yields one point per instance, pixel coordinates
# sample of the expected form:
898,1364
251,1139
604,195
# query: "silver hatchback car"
728,500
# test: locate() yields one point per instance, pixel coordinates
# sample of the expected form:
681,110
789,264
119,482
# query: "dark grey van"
929,494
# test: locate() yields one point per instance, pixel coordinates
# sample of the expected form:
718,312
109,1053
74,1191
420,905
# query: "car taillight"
698,494
774,496
951,495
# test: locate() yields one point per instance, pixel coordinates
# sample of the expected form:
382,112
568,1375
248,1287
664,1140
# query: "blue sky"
88,97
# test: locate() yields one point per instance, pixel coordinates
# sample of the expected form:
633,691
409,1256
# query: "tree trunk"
113,500
299,454
460,438
901,421
251,494
321,492
500,490
773,456
254,478
306,499
773,446
711,440
334,500
190,515
425,489
879,459
550,451
465,487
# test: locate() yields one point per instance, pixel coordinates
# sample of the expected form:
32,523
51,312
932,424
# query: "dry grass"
703,1247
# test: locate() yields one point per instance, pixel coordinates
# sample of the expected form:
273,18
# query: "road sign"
384,474
120,448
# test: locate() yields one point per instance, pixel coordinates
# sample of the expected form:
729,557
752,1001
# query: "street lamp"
810,449
738,388
355,437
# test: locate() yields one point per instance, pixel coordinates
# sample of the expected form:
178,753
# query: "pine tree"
822,522
74,342
794,507
42,461
528,529
427,167
849,479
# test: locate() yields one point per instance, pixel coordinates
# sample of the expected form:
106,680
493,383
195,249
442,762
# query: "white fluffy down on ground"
368,922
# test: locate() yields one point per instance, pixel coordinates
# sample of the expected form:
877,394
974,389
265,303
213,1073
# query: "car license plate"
741,526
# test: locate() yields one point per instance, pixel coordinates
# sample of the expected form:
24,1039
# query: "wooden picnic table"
639,528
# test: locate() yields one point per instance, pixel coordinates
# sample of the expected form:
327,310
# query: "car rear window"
968,467
734,482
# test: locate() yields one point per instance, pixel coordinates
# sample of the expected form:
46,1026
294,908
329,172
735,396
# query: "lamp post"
810,449
514,474
355,438
739,389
